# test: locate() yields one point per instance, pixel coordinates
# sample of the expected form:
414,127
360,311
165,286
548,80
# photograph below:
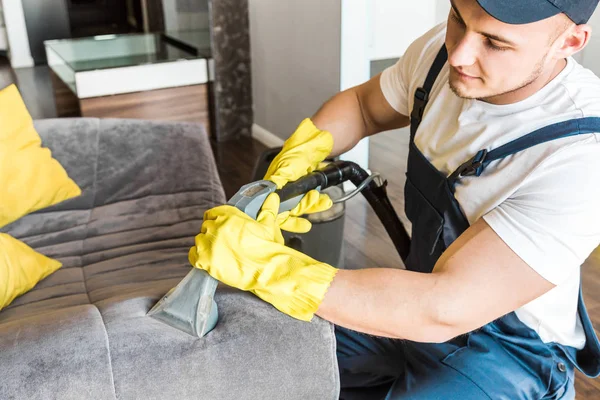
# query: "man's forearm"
387,302
466,290
342,117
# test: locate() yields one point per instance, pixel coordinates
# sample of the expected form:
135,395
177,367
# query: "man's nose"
464,53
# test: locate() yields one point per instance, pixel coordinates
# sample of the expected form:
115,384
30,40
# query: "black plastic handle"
333,174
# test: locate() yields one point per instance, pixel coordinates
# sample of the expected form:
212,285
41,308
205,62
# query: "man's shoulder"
583,88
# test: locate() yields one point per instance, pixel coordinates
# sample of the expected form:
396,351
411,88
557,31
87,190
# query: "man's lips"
462,75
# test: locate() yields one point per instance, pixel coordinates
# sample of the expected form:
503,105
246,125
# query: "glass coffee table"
142,76
194,41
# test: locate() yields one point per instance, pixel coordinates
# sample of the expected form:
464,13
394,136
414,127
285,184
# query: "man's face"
491,60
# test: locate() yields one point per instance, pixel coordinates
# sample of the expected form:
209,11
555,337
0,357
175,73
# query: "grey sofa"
83,333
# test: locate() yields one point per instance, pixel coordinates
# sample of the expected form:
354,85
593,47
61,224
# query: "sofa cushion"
63,354
123,245
254,352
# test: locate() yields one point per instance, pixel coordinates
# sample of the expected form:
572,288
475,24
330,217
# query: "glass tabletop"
114,51
198,41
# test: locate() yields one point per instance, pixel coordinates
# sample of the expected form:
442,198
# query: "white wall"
355,64
396,24
590,56
18,41
303,53
182,15
295,47
442,9
3,39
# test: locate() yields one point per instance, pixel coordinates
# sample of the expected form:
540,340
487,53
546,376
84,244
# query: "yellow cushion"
29,177
21,268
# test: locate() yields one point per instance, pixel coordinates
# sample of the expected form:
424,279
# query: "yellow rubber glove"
301,154
312,202
250,255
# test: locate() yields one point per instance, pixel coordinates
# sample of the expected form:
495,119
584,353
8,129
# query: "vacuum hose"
338,172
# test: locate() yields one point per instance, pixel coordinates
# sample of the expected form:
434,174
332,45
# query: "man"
503,191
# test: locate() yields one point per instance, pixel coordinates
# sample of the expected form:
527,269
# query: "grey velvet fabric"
63,354
83,331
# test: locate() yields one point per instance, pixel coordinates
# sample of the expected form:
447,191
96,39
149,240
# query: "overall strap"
422,93
573,127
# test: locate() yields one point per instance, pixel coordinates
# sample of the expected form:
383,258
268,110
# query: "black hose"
338,172
377,197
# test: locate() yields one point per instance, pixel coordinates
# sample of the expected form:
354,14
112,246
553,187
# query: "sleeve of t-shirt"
398,81
552,222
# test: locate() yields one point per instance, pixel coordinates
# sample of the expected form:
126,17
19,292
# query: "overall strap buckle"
421,99
474,166
421,96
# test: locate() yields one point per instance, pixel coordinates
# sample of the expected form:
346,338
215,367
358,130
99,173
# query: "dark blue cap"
526,11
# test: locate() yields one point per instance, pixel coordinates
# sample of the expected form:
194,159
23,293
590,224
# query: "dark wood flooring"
365,242
35,87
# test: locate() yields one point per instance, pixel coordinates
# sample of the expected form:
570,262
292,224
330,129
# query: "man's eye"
490,45
456,19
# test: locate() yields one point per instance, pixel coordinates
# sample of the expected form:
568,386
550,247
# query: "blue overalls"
505,359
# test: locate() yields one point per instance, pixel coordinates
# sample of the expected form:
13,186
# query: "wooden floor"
35,87
366,243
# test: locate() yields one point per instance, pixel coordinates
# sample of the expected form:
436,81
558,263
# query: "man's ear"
574,40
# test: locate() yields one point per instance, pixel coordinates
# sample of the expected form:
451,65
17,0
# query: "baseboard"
266,137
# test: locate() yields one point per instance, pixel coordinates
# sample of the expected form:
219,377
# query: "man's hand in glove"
301,154
250,255
312,202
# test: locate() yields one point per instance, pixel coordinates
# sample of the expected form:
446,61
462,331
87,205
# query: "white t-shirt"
544,202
